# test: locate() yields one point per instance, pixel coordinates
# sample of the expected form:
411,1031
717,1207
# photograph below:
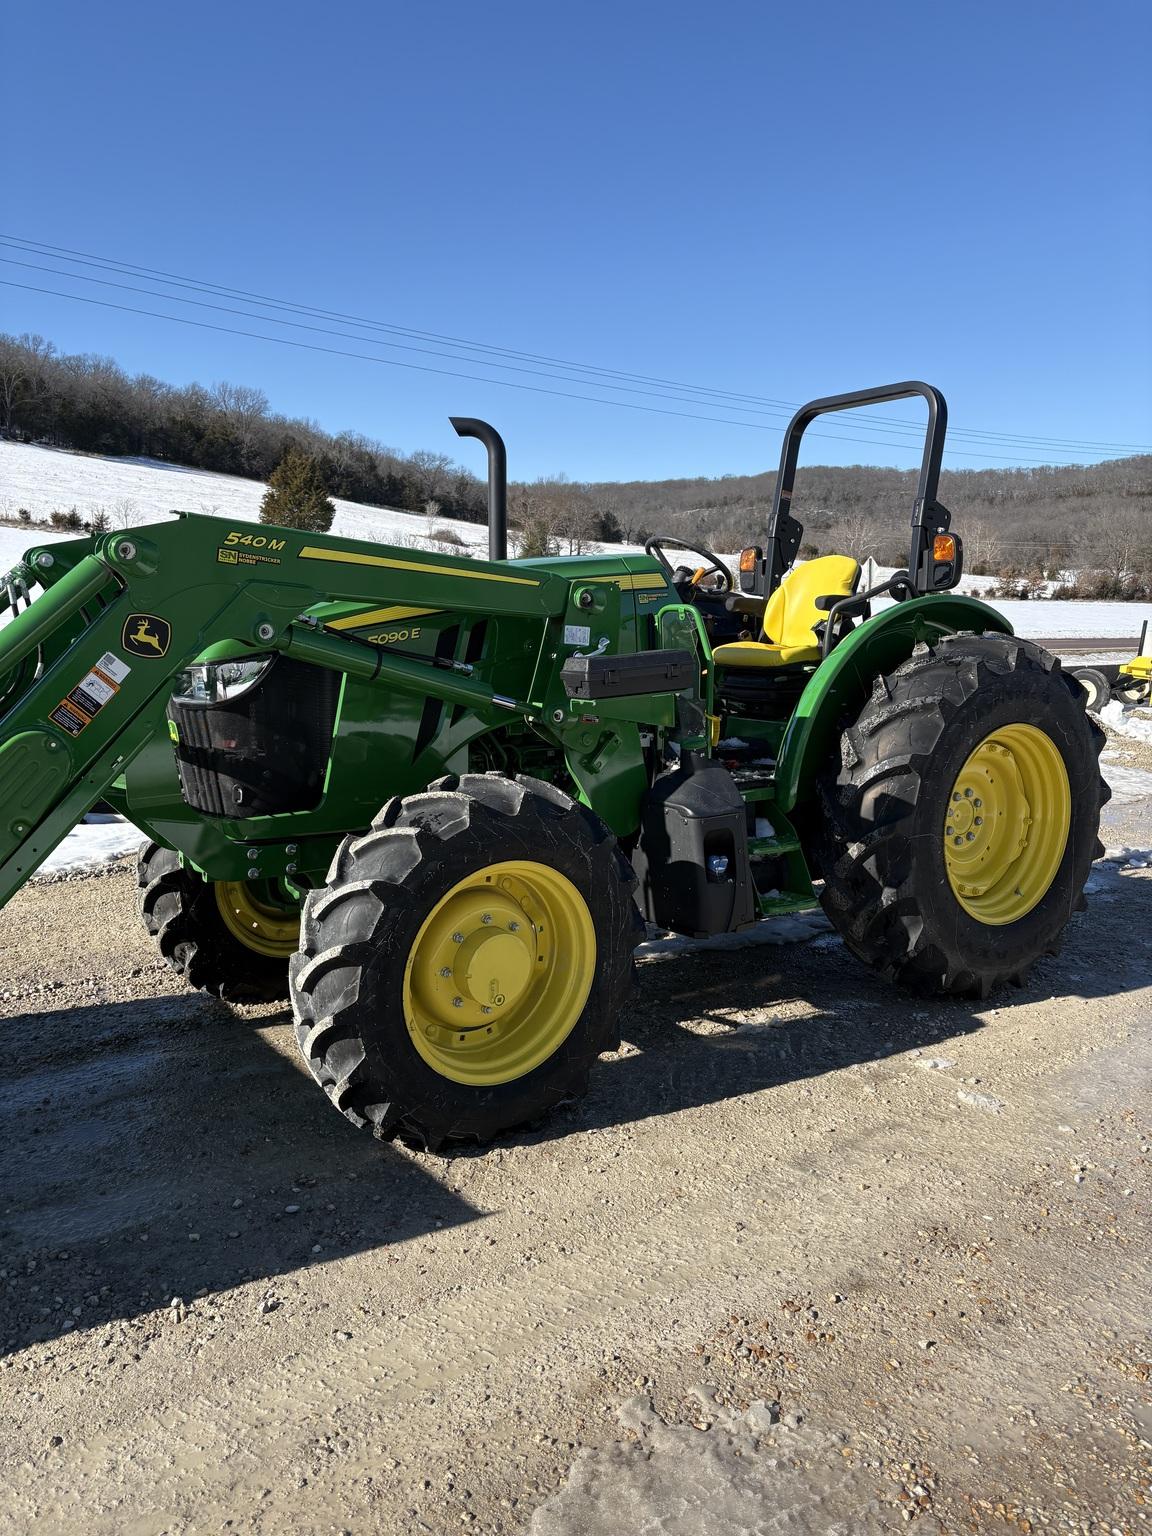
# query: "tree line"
1023,525
90,403
1027,526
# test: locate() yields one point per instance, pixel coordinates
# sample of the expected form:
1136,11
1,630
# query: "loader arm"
87,665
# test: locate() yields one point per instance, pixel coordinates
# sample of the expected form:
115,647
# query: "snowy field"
133,491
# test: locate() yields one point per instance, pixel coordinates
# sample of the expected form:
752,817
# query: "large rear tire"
467,962
962,821
230,938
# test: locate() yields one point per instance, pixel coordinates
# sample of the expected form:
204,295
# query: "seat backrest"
792,614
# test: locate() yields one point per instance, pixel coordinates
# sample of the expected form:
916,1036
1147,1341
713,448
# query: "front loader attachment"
439,657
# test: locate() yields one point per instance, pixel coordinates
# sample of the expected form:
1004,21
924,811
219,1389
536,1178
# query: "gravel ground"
813,1256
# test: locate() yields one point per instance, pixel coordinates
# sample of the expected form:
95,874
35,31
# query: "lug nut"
445,971
485,1008
487,918
457,938
457,1002
971,836
513,927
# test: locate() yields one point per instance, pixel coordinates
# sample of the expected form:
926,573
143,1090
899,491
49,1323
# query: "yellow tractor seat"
791,617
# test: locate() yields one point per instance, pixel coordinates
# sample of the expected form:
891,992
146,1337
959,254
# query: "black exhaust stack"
469,426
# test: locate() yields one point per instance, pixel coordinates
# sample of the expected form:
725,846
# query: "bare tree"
13,379
431,472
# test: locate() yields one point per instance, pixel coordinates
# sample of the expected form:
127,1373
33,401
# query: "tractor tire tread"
346,923
865,846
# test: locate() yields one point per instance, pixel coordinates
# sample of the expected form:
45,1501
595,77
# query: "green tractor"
434,800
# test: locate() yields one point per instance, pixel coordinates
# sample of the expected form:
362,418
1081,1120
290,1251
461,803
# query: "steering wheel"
655,548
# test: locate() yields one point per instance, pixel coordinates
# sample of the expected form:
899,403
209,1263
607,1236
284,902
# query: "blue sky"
773,200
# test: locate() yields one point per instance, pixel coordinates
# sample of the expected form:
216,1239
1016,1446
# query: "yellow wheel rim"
499,973
252,915
1006,825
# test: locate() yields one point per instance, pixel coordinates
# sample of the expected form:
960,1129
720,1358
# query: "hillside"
131,491
1043,519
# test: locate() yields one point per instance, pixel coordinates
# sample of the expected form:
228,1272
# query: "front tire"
467,962
229,938
962,821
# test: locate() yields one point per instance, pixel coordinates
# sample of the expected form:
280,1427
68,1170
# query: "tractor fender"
844,680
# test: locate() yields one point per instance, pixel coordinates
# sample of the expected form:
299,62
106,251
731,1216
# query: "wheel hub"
259,916
1006,824
499,972
493,967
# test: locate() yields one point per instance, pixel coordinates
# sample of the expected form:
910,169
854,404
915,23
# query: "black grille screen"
263,753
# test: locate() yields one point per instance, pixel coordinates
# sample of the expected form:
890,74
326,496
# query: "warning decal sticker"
90,694
69,718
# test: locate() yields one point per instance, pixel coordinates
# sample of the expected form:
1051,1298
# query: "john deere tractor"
435,800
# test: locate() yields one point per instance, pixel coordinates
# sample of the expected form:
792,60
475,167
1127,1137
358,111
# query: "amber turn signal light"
748,559
944,547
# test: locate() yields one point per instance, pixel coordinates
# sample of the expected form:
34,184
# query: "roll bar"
928,517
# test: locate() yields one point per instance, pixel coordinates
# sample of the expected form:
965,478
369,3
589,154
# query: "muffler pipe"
470,426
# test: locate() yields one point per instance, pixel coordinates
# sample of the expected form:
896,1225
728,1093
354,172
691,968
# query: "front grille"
263,753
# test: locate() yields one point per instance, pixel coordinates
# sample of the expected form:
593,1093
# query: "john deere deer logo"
146,635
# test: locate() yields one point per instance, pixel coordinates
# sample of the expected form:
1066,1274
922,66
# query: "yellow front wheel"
260,916
499,972
469,963
230,938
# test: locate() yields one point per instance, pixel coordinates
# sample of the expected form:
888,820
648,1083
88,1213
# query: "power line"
760,404
389,362
870,440
173,298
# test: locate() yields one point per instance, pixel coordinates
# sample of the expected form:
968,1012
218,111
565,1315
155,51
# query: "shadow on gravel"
151,1149
854,1016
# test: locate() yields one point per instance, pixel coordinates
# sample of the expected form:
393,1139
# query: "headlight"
219,682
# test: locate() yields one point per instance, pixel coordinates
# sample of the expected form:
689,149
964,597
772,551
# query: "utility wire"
766,405
389,362
205,285
868,440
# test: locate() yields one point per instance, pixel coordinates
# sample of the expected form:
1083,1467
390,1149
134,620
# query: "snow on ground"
726,1474
1127,722
134,491
96,841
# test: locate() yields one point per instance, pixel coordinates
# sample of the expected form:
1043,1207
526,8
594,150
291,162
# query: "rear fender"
842,683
